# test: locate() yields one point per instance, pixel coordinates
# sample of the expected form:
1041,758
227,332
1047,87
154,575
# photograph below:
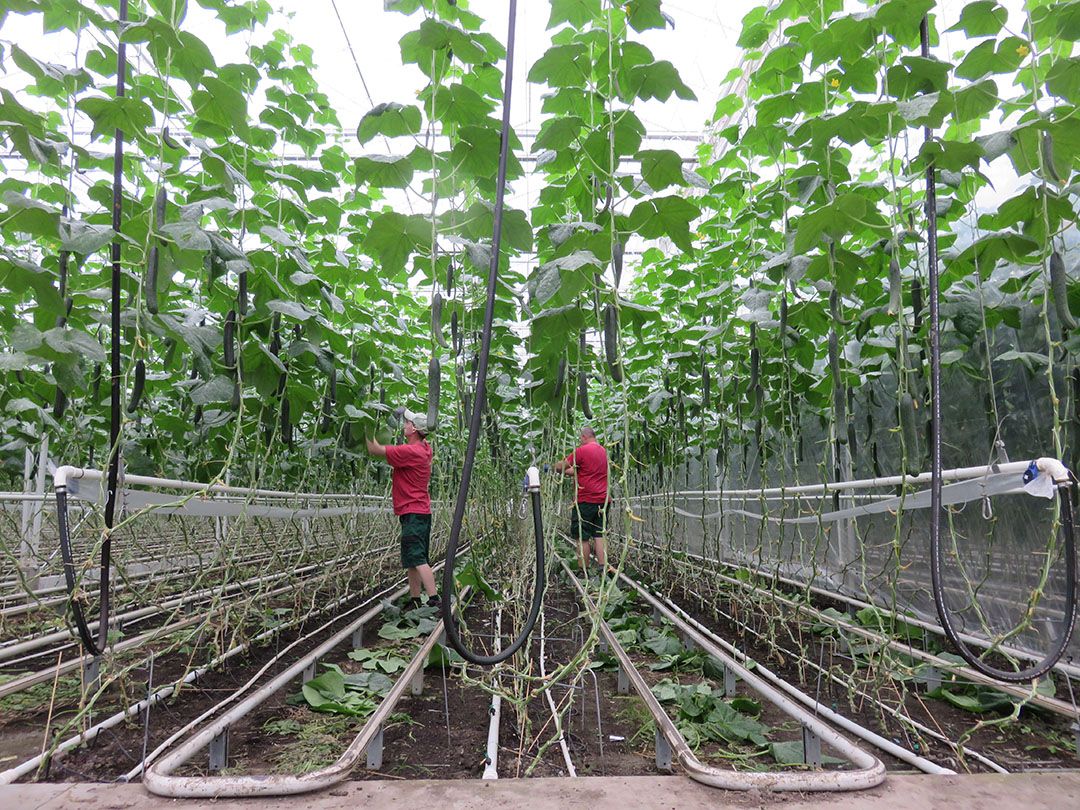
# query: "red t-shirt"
590,462
411,476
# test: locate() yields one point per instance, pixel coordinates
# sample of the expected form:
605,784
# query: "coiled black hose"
479,401
1057,650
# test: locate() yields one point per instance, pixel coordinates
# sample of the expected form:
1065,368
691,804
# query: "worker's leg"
601,554
414,581
427,579
583,557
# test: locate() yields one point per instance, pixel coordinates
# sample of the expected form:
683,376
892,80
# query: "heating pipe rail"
870,770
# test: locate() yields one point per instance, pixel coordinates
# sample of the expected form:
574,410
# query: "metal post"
688,642
416,685
91,673
219,751
624,681
933,678
358,638
811,746
663,752
1076,734
374,751
309,671
729,682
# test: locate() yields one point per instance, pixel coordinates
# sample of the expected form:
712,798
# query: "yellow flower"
835,82
1023,50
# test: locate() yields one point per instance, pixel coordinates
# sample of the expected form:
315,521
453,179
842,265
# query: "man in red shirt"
588,518
411,463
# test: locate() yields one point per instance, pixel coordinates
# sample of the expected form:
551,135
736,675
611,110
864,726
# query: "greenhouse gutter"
870,773
675,614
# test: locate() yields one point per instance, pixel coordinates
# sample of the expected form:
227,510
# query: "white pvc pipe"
1051,466
491,758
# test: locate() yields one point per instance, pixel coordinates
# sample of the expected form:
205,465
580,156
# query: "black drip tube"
479,402
1044,665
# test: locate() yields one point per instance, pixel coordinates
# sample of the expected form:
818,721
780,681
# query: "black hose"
1057,650
479,401
115,403
77,614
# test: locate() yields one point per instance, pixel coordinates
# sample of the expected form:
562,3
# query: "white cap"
419,420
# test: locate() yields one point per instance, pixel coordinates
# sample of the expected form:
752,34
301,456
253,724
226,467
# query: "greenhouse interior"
566,404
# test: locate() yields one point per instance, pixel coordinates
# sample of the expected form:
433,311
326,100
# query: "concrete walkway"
1032,791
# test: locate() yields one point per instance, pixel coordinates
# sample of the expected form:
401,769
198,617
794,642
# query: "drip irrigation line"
479,404
1062,480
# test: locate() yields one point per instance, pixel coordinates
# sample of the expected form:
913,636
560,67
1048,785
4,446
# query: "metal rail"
870,771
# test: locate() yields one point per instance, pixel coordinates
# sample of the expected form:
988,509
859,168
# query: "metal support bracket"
374,751
1076,734
933,679
624,681
602,645
663,752
309,671
219,751
416,685
811,746
358,638
729,682
91,675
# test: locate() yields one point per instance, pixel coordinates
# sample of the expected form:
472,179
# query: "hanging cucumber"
333,385
150,283
455,333
560,377
59,403
909,433
242,295
237,393
839,402
583,395
137,389
617,261
434,380
706,387
326,421
450,277
286,423
1046,145
611,342
436,320
160,204
229,340
1059,289
895,287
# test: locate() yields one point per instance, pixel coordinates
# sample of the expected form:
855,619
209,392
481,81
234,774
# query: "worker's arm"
375,448
564,467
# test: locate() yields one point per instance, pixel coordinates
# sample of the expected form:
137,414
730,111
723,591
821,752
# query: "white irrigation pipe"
668,608
491,758
1069,670
66,474
555,716
31,765
870,770
1048,465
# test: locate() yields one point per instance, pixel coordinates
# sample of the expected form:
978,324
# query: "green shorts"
415,538
591,523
